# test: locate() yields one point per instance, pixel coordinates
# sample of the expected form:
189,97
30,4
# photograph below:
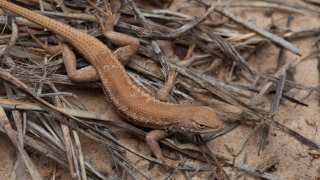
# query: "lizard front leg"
164,92
86,74
152,139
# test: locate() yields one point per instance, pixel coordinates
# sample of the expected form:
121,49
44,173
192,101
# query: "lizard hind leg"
86,74
129,45
163,93
52,50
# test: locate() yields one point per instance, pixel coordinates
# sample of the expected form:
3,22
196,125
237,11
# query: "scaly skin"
132,102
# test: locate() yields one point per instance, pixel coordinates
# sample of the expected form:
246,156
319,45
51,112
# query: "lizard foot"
49,49
172,76
109,19
172,164
164,92
86,74
152,139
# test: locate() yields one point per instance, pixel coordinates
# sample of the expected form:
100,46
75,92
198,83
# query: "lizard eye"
200,126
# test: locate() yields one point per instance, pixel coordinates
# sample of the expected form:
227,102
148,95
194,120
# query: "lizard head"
201,119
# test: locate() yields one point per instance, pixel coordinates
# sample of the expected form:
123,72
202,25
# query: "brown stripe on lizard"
136,105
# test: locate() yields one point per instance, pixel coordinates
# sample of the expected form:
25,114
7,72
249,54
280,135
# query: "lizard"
133,103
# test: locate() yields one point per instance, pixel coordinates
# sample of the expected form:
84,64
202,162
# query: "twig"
255,172
20,105
273,38
4,123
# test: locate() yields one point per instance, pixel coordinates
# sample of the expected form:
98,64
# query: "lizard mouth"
205,131
198,131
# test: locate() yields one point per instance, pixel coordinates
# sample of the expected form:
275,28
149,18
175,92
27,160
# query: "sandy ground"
295,160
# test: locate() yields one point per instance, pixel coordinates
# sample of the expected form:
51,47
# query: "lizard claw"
49,49
172,164
172,76
164,92
109,18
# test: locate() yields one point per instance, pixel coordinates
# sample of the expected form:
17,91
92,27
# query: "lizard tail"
65,31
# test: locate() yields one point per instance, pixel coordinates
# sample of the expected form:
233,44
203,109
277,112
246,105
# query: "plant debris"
210,53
